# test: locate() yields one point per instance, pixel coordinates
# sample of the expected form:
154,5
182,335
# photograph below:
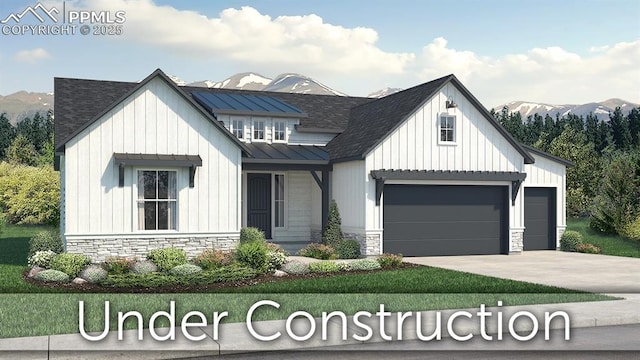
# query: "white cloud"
550,74
247,36
31,56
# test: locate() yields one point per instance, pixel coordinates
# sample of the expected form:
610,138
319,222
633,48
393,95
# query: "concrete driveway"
586,272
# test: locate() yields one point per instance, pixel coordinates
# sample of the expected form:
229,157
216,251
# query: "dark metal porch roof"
286,154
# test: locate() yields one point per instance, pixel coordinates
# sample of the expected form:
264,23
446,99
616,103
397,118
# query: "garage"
539,218
434,220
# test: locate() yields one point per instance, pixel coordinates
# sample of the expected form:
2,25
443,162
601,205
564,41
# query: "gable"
416,144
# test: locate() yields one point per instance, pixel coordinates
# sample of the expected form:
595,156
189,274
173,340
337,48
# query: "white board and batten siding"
153,120
414,145
548,173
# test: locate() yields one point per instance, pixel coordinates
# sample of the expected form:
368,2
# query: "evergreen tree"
22,151
620,129
332,234
7,134
634,126
591,130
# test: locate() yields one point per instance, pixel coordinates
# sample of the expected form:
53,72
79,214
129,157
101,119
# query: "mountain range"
25,104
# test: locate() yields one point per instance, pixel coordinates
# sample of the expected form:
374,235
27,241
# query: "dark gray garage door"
539,219
422,220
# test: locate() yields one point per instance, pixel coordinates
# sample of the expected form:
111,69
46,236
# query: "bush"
70,264
94,274
388,261
632,230
365,264
254,255
332,234
185,269
318,251
210,259
277,256
344,266
570,241
30,195
118,264
588,249
167,258
52,276
143,267
152,280
45,241
348,249
251,234
295,268
42,259
324,267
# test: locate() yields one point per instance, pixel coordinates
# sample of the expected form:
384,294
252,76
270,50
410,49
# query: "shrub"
143,267
52,276
223,274
117,264
45,240
251,234
30,195
344,266
167,258
570,241
632,230
388,261
332,234
211,259
277,256
324,267
94,274
318,251
254,255
185,269
348,249
295,268
588,249
365,264
70,264
42,259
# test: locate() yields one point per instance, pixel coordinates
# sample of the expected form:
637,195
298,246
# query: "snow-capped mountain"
600,109
177,80
299,84
242,81
23,104
293,83
384,92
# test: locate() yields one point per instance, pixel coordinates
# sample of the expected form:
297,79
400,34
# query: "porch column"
325,198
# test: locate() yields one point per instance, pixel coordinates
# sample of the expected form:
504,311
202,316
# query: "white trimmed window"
447,128
258,130
237,128
279,200
157,200
279,131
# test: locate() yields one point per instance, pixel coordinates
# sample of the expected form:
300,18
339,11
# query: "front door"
259,202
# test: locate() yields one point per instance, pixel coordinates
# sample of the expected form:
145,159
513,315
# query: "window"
258,130
447,128
156,200
279,131
278,200
237,128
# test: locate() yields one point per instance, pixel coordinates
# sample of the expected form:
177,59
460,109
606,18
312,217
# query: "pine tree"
332,235
7,134
634,126
620,129
22,151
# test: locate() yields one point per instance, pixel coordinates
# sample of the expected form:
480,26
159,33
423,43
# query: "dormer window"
447,129
258,130
279,131
237,128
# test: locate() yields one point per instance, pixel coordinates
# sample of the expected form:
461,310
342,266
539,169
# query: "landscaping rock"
279,273
34,271
79,281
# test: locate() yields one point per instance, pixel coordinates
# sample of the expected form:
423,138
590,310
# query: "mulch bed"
209,288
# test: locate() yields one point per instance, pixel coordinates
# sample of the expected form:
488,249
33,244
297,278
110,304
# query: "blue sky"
544,51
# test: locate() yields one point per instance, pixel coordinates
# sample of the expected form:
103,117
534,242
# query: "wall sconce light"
450,104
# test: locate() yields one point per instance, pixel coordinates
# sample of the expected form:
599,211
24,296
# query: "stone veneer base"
369,243
99,249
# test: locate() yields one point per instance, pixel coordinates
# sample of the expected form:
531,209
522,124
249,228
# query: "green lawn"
610,244
26,310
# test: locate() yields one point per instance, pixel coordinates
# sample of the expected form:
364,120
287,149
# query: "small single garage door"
539,219
427,220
